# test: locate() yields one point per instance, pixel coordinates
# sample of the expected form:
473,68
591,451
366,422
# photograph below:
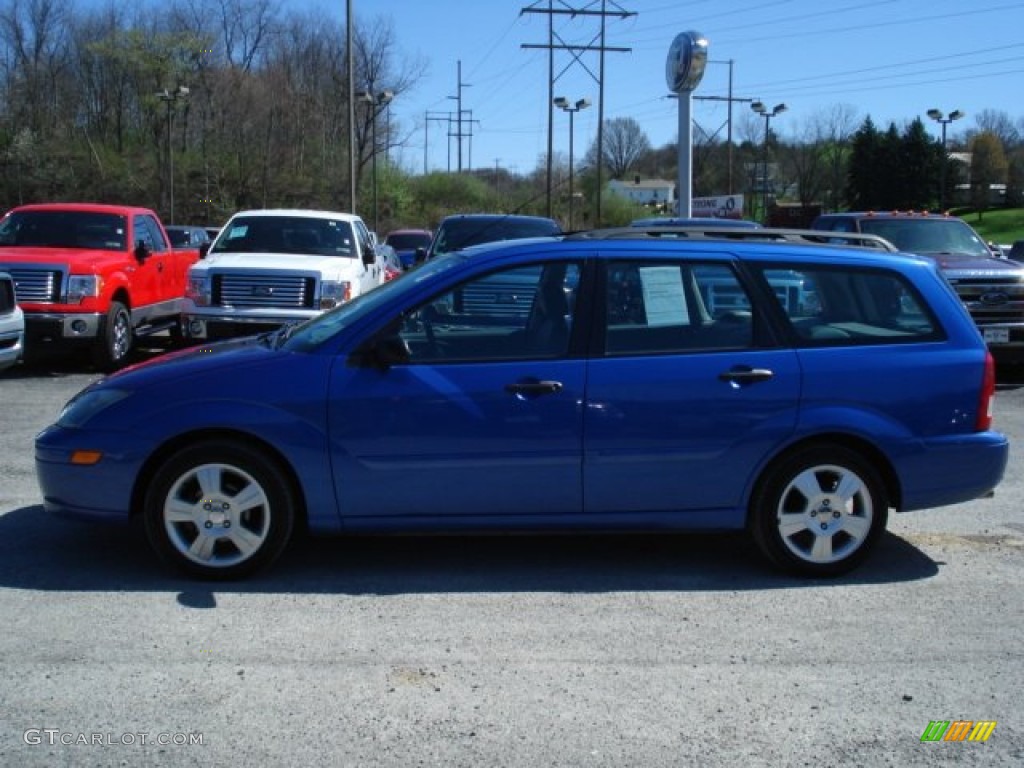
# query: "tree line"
200,108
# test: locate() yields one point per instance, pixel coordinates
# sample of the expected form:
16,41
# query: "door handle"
533,388
746,375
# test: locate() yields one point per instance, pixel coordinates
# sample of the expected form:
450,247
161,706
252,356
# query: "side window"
142,233
365,242
148,232
512,314
664,307
159,241
834,306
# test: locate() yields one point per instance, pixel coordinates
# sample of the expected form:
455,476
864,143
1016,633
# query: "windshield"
408,242
462,233
928,236
64,229
312,333
178,237
287,234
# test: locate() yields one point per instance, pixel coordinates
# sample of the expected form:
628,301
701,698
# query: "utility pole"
437,117
458,115
730,99
577,51
351,87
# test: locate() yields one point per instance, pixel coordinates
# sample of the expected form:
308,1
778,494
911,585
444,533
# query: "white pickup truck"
268,268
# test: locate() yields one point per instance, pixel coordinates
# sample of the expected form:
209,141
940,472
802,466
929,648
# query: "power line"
576,52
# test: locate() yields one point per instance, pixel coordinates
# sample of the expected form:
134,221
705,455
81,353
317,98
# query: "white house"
646,192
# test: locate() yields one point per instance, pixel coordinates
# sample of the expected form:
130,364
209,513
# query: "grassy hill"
1002,225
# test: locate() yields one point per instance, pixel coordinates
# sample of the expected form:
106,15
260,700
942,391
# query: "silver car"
12,324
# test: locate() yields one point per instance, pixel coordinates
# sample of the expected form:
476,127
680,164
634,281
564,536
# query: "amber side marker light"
86,458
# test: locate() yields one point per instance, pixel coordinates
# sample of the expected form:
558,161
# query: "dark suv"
992,288
464,230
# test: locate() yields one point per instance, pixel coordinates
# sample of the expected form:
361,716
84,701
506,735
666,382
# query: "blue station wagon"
627,397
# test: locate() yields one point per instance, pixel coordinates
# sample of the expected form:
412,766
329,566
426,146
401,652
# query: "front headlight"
87,404
198,290
83,286
334,292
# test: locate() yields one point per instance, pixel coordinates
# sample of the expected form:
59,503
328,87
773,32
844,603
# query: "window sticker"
664,302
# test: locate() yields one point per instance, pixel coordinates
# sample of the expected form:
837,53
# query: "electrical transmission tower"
556,43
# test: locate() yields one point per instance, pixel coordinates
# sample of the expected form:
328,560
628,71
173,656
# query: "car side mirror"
369,255
204,249
421,255
141,251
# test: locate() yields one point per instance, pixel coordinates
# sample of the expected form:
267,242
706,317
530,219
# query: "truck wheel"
219,510
819,511
115,339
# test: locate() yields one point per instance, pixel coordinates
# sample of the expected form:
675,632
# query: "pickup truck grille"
263,290
505,295
40,286
992,300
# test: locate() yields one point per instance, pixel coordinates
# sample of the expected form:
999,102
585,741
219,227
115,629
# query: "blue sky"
890,59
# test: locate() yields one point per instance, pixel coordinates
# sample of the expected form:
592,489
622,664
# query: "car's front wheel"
115,339
819,511
219,510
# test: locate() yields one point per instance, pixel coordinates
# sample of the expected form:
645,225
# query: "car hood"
952,262
193,363
280,262
97,258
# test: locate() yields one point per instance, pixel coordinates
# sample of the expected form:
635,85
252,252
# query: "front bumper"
219,324
100,491
12,339
1005,341
55,326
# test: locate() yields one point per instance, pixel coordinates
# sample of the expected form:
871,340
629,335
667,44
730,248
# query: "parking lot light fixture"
377,101
169,97
563,104
759,108
943,120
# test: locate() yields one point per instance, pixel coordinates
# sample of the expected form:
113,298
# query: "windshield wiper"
282,334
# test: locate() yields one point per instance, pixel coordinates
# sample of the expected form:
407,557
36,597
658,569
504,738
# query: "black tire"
219,510
115,339
818,511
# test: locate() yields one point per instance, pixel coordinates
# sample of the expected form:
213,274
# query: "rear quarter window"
833,306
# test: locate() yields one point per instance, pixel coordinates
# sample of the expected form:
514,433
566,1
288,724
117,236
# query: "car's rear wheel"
219,510
819,511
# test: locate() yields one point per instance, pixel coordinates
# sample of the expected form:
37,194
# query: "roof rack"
758,235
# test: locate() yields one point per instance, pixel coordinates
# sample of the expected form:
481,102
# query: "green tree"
862,178
988,167
918,164
893,171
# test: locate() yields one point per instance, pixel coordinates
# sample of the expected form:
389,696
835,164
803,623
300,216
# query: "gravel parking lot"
504,651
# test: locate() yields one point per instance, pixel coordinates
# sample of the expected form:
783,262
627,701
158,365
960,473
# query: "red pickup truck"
93,275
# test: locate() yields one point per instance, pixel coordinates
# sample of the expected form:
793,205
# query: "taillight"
988,394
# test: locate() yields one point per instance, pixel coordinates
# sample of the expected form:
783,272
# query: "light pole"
937,116
762,110
376,101
169,97
563,103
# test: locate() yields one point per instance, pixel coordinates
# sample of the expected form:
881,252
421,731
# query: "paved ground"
524,651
